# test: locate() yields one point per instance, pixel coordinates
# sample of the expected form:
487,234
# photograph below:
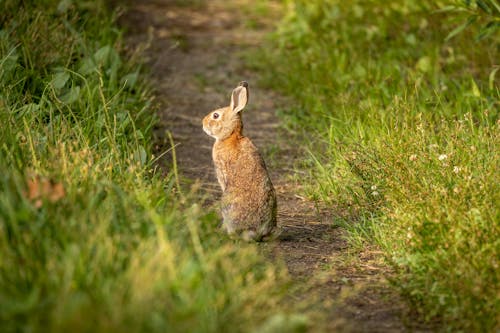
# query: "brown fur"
248,199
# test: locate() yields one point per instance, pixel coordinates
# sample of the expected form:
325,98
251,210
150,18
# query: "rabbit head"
221,123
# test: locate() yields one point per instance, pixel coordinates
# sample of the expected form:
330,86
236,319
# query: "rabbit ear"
239,98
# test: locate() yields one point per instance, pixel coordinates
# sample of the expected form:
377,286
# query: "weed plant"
92,238
401,110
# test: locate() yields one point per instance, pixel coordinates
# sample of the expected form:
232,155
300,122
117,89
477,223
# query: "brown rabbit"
248,196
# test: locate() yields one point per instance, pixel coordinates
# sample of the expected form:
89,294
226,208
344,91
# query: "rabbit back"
248,199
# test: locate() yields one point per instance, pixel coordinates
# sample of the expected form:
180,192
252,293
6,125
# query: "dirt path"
197,56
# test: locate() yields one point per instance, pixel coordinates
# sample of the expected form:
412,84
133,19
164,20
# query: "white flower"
375,193
456,169
374,187
442,157
413,157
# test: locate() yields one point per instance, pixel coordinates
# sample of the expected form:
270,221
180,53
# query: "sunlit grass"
402,126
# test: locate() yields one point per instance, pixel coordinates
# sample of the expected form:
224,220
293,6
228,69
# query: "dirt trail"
197,57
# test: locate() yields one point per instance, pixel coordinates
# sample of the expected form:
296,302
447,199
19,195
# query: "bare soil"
197,51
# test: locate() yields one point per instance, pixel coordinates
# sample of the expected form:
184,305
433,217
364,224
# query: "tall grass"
403,134
92,237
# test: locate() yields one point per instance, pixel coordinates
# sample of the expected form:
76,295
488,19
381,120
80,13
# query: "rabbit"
248,203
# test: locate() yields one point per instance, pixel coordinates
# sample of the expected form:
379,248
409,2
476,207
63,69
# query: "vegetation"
400,103
92,237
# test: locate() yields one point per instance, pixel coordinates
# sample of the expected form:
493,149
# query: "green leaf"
461,27
411,39
130,79
59,80
496,5
107,56
88,65
102,54
359,71
63,6
491,79
140,155
71,96
8,64
424,64
448,8
475,89
488,29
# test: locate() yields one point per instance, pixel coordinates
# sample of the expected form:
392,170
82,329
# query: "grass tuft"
403,133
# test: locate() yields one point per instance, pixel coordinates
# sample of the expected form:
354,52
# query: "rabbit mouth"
208,131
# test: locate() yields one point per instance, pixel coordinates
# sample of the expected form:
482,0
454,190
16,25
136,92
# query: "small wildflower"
442,157
374,187
456,169
375,193
413,157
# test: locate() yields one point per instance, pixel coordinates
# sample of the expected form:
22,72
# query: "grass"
400,111
92,236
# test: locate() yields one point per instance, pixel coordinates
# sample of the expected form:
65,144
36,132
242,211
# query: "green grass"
403,133
92,237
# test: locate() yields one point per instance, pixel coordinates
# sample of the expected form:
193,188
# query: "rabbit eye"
215,115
